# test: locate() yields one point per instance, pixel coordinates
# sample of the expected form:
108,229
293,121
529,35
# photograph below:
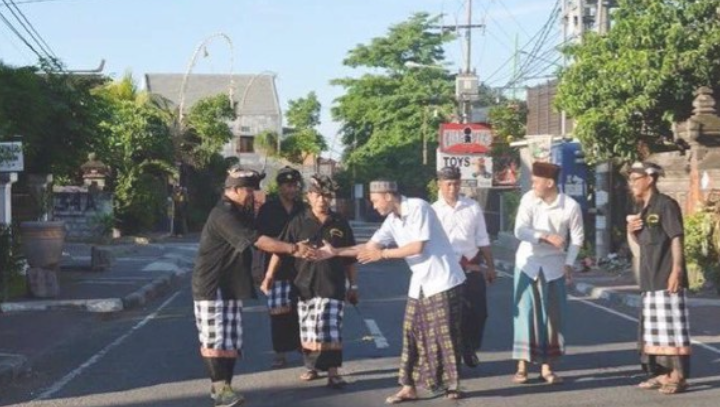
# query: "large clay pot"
42,244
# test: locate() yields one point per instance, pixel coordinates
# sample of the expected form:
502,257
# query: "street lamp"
203,47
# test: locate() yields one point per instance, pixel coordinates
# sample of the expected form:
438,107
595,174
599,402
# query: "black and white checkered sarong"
278,300
665,323
219,324
321,323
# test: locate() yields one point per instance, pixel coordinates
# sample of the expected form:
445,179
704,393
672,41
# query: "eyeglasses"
632,180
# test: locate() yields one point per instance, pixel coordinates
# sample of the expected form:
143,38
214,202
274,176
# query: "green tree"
206,130
629,85
387,112
508,121
304,140
138,147
55,113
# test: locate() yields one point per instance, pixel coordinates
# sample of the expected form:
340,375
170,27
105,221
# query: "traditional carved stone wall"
692,176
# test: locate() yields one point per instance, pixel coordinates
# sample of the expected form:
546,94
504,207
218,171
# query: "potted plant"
42,242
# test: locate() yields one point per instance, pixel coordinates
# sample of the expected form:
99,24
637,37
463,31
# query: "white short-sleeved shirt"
464,225
534,218
435,269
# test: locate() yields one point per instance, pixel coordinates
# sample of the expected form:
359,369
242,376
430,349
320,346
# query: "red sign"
468,138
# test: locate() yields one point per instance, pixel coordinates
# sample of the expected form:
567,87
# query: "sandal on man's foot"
673,387
453,395
551,378
336,382
520,377
400,397
309,375
650,384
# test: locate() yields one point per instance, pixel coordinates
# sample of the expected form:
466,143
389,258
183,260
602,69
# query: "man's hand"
568,274
674,282
305,251
490,274
369,255
634,223
266,285
555,240
352,296
327,251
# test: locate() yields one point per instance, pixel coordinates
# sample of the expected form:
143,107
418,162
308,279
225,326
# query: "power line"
19,50
512,16
9,6
540,33
20,36
32,27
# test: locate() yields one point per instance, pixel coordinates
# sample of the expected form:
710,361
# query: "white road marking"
628,318
161,266
59,385
380,341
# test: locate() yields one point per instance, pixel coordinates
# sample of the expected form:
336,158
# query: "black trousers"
474,313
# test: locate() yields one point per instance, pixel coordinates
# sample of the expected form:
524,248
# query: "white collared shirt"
536,218
435,269
464,225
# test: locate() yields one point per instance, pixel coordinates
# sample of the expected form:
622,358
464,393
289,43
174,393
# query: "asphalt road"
150,358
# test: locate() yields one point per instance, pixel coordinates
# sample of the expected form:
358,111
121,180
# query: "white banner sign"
476,170
11,157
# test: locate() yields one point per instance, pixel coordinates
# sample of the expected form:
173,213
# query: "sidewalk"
140,271
619,288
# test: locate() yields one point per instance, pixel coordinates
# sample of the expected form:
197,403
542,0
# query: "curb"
155,289
152,290
604,293
12,367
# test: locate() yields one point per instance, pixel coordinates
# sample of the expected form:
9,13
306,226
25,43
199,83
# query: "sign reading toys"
468,138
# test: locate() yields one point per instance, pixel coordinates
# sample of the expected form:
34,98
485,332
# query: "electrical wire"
27,23
528,43
538,41
20,36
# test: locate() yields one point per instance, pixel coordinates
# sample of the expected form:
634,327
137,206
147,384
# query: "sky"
303,42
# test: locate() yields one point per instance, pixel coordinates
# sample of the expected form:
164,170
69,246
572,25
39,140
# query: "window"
246,144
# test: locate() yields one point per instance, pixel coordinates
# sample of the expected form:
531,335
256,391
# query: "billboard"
465,138
476,170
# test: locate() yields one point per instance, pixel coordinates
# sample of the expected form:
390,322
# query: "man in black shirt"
272,219
664,338
222,278
321,284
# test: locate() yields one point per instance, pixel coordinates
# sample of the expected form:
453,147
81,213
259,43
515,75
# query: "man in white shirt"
464,223
543,265
431,331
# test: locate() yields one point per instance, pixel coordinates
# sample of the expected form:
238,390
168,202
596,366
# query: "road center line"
59,385
380,341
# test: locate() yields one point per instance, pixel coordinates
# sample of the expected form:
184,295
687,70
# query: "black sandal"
336,382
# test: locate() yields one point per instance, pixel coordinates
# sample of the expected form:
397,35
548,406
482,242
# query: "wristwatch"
353,286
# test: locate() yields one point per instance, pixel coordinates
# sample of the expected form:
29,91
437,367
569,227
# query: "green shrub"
701,249
12,283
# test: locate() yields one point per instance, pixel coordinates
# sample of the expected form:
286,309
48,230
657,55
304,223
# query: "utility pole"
603,171
466,82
